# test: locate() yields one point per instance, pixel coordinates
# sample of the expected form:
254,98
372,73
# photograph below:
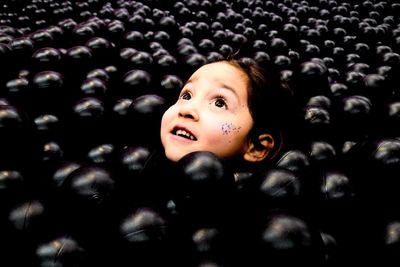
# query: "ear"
258,153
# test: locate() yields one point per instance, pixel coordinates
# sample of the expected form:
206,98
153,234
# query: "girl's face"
211,114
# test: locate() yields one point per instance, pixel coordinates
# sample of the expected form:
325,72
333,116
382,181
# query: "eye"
220,102
185,95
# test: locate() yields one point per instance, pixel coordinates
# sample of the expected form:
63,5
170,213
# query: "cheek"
235,130
166,118
228,128
222,133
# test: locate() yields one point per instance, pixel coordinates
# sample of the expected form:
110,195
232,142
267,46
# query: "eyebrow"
224,85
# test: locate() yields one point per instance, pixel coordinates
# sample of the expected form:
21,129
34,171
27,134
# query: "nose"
189,110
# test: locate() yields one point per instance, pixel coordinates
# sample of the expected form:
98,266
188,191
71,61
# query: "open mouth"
184,133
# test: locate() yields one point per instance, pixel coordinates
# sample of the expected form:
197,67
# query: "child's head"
226,107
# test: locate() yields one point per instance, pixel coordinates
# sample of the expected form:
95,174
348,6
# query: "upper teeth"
185,134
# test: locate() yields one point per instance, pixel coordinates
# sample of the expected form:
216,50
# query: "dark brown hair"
269,102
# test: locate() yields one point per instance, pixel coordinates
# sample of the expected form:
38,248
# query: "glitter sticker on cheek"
227,128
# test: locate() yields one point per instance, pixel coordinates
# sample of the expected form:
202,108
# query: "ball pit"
83,86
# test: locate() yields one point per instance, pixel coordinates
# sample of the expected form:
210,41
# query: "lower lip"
181,139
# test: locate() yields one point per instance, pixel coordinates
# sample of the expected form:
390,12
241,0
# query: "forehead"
220,71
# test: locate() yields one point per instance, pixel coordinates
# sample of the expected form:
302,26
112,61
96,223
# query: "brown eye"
186,96
220,102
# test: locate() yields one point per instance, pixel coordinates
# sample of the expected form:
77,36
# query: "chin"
173,157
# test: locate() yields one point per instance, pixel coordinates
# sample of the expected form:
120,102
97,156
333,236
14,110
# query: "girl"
232,108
